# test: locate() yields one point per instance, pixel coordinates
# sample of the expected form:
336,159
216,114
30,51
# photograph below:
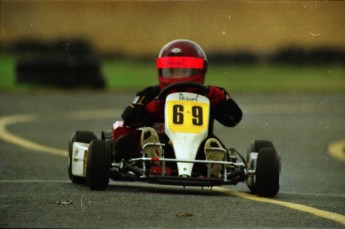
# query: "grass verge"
127,75
246,78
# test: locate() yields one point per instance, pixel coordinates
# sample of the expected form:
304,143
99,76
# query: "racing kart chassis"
94,161
90,161
233,172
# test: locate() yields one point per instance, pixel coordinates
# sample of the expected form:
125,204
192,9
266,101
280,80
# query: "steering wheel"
182,87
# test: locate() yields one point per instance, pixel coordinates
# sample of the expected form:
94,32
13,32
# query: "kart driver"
180,61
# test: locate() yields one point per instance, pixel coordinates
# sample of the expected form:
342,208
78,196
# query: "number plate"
188,116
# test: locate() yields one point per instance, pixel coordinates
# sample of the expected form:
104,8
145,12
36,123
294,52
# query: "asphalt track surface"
35,191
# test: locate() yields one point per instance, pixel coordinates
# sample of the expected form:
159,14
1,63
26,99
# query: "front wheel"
83,137
98,164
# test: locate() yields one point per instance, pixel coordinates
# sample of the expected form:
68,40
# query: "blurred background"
255,46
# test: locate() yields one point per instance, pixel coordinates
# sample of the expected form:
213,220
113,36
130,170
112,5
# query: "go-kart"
186,124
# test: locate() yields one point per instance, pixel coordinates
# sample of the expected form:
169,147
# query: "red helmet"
181,60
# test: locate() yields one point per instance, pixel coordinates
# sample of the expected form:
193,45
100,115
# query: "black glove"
228,113
134,115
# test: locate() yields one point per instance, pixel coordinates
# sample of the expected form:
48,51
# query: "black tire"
267,172
48,70
256,146
98,164
78,136
60,70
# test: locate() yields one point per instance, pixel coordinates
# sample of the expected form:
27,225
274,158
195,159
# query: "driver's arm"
223,107
136,114
228,113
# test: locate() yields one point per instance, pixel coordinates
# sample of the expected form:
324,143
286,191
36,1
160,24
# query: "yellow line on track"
339,218
337,150
14,139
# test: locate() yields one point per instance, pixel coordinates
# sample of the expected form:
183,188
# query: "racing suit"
145,110
140,113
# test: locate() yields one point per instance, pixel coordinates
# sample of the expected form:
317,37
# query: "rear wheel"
263,159
253,151
257,145
98,164
83,137
267,172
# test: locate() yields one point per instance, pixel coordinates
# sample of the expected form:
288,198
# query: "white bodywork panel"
79,159
186,124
